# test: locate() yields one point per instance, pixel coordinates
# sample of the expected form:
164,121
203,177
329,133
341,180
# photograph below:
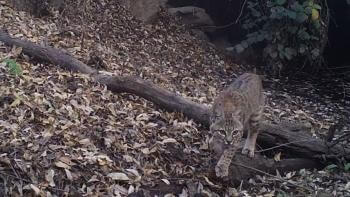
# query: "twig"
241,186
341,67
276,177
14,170
241,12
4,184
344,90
330,133
231,23
15,177
340,139
285,144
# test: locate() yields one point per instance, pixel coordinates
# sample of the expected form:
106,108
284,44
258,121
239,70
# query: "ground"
63,134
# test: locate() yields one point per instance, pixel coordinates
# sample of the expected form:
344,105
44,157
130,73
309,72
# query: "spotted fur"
238,108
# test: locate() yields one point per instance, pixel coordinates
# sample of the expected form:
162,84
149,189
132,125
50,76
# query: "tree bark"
299,143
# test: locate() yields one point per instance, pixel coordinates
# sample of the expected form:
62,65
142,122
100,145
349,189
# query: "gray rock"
144,10
191,15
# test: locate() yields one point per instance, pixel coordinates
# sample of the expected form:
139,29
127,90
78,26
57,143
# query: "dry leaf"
128,158
145,151
210,183
62,165
169,195
68,174
49,177
35,189
277,157
169,140
166,181
85,141
118,176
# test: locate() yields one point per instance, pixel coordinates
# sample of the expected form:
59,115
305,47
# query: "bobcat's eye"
215,117
235,132
221,132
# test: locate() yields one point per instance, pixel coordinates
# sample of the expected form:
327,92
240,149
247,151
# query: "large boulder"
144,10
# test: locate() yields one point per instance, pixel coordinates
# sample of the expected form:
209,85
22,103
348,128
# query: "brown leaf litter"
63,134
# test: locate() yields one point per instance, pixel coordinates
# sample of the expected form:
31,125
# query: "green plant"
331,167
287,30
347,167
14,67
282,194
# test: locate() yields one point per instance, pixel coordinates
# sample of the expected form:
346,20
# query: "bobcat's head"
227,116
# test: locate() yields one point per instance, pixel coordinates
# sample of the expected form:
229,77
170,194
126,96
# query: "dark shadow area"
337,51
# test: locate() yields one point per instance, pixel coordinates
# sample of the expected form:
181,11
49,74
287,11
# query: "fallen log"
239,172
297,142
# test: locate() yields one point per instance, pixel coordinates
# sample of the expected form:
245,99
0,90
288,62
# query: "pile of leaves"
63,134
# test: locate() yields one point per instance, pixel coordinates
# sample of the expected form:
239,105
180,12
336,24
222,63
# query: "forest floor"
63,134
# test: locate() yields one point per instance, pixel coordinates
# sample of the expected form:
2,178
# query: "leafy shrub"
347,167
288,30
14,67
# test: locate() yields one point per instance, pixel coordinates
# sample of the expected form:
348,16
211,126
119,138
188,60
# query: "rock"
144,10
221,42
191,15
200,34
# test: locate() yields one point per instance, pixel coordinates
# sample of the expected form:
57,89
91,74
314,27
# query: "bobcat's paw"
249,152
221,170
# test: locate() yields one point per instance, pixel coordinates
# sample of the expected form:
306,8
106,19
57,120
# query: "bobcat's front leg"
253,131
223,165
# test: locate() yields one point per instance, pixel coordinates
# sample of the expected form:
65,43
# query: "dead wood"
243,167
298,142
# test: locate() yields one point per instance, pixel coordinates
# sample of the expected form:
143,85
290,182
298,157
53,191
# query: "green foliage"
347,167
14,67
288,29
331,167
282,194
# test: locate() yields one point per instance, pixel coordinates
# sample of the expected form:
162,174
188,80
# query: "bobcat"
239,107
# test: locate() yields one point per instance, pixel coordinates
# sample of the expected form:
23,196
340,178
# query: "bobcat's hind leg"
253,131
